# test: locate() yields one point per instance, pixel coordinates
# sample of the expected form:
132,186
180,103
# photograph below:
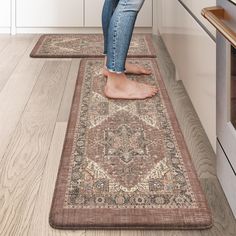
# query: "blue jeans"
118,20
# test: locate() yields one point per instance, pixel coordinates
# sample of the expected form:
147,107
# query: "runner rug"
87,45
125,164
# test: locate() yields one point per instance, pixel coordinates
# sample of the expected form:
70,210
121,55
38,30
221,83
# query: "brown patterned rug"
87,45
125,164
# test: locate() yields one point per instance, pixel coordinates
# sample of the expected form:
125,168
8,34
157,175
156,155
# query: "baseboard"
5,30
82,30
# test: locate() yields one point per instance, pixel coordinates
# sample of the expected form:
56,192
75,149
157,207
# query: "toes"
153,90
143,71
146,72
153,93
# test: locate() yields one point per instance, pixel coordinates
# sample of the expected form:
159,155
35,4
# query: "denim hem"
113,71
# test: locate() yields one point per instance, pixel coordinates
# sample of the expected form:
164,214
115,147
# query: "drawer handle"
217,16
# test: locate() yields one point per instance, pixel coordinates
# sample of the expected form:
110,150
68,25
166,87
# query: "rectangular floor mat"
87,45
125,164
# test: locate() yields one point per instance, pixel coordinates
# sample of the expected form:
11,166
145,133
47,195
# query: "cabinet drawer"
93,11
5,13
49,13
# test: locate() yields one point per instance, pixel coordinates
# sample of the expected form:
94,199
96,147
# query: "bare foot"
135,69
131,69
119,87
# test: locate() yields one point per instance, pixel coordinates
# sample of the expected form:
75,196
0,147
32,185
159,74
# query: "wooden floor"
35,99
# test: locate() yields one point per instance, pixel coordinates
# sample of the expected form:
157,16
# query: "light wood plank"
162,233
64,112
171,233
11,55
4,41
224,222
203,156
132,232
102,232
39,225
23,164
16,93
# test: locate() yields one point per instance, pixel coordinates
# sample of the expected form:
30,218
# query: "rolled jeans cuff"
113,71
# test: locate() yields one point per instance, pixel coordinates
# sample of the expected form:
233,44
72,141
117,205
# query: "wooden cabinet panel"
49,13
5,13
93,10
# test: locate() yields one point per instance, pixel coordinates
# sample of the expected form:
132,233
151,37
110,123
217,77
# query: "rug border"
148,38
205,212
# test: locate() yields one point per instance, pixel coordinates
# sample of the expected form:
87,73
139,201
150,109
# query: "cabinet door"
196,6
145,16
194,55
93,11
49,13
5,13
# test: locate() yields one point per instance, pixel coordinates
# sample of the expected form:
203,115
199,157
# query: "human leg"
107,12
120,33
131,7
119,37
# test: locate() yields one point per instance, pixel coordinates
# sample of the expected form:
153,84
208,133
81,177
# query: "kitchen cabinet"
196,6
93,11
49,13
72,13
145,16
193,52
5,13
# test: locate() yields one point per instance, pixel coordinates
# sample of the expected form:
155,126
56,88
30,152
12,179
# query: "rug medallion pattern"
125,153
